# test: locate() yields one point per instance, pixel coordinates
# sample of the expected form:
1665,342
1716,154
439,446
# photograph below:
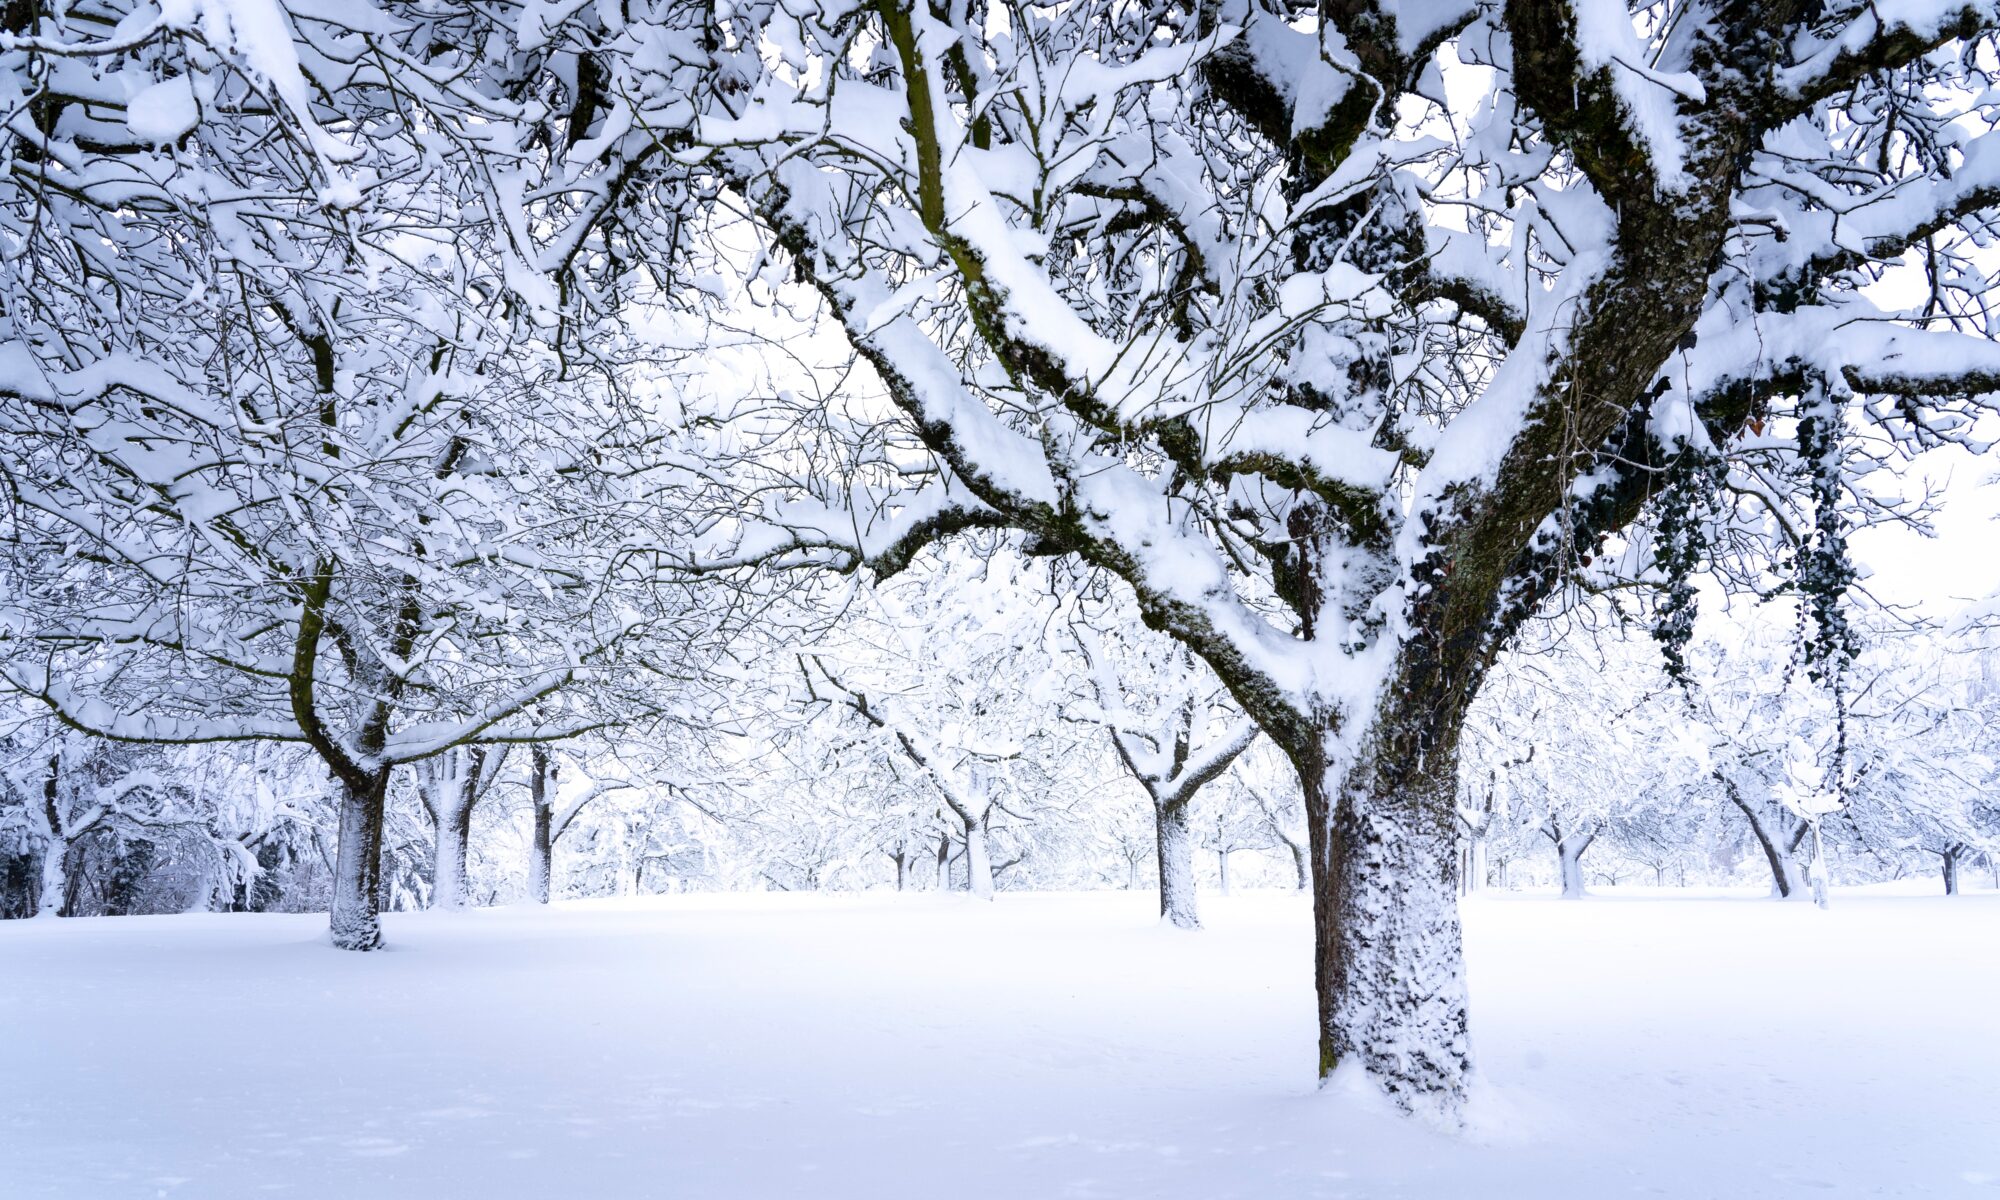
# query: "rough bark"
1388,964
357,868
1176,859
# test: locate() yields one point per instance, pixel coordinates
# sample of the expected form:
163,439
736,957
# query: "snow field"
754,1047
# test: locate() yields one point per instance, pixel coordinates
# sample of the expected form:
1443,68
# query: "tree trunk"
1176,859
944,862
448,875
55,881
1950,855
55,850
1785,881
1389,967
1569,860
457,793
978,861
541,844
902,867
1300,864
357,867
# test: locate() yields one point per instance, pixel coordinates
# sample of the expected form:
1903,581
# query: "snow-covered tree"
1347,335
314,377
964,695
1229,821
1266,778
1569,731
1175,732
449,786
1923,775
336,409
113,820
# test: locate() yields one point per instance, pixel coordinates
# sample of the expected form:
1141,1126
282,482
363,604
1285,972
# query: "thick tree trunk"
902,867
978,860
541,844
1951,856
357,867
1176,859
1389,966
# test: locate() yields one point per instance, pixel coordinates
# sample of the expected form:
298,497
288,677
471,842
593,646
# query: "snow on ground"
754,1047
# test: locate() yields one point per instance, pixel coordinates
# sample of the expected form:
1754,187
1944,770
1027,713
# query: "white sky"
1962,563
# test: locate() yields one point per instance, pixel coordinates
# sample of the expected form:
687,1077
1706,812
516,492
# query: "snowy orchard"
750,443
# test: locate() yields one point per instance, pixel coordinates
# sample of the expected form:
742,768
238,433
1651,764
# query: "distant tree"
95,817
1175,732
450,785
964,695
